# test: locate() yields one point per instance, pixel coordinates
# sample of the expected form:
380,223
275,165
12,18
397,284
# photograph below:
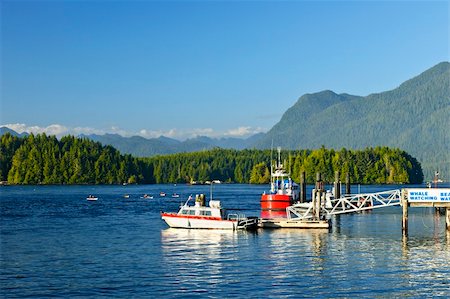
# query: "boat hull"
198,222
274,205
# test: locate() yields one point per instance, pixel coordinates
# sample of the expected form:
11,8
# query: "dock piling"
347,184
303,187
337,185
405,217
447,218
404,201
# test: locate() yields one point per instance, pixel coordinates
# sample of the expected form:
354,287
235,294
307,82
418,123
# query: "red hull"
274,205
275,201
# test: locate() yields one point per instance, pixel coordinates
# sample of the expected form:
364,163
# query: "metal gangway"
346,204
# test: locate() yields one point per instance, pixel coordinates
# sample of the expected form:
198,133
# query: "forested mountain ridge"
413,117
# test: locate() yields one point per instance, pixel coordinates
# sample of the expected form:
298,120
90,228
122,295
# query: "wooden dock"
289,223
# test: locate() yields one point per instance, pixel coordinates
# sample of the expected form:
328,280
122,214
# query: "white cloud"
156,133
86,131
203,132
19,128
61,130
54,129
243,131
178,134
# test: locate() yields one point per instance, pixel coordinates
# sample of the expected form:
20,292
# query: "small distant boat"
207,217
147,196
126,196
91,198
175,195
162,194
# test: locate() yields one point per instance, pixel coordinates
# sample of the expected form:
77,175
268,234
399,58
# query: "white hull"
184,222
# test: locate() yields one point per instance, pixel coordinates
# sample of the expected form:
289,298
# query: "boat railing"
243,222
236,217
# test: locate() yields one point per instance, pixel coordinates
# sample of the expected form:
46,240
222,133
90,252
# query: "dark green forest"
42,159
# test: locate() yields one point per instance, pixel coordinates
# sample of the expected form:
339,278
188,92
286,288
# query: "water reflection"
204,260
290,257
428,256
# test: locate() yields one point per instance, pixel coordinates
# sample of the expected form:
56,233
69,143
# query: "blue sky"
214,68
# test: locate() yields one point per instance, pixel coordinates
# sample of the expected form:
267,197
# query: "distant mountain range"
4,130
142,147
413,117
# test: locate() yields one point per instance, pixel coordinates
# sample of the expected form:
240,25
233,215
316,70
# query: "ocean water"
55,243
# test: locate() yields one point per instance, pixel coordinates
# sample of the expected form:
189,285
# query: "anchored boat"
92,198
283,192
207,217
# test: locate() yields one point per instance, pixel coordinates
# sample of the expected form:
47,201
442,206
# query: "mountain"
413,117
4,130
142,147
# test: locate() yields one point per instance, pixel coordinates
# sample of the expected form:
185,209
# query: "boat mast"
271,161
279,157
210,191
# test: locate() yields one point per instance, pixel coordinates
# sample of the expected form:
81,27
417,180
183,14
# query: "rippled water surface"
56,243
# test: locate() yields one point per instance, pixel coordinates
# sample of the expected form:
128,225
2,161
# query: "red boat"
283,192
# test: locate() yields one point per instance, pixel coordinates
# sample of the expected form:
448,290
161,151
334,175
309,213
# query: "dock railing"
364,201
346,204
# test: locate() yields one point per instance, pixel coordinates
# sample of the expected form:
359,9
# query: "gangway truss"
346,204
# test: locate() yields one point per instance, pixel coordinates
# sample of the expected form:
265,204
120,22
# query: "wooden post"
337,185
318,195
318,204
447,218
318,181
405,213
405,217
347,183
302,187
405,245
313,202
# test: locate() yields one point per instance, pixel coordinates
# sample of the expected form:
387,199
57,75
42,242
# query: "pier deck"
288,223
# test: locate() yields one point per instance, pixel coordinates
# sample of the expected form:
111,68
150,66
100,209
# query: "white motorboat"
207,217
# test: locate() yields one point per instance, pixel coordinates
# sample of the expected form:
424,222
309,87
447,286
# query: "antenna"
271,158
279,155
210,192
290,163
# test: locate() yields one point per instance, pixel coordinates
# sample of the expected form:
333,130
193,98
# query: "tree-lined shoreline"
42,159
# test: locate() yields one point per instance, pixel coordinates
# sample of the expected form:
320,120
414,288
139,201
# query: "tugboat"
283,192
207,217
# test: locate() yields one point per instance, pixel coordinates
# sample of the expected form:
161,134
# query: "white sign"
428,195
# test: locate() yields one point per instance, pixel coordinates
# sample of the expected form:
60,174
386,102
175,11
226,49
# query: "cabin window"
191,212
184,212
205,213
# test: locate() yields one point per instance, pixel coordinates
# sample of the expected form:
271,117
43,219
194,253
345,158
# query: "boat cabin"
214,209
